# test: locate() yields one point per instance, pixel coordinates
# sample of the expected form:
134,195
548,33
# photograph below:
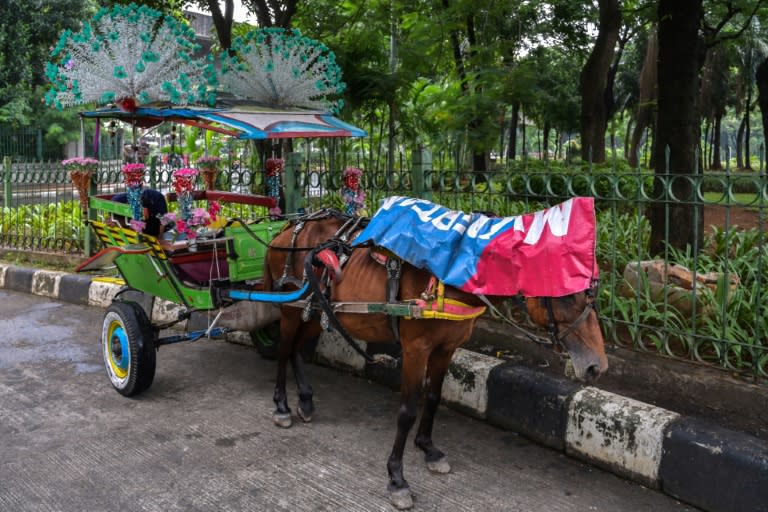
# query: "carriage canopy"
237,119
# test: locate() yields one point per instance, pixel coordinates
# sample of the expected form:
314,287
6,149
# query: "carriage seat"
208,260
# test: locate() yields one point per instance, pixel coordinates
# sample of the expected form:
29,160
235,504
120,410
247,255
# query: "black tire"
266,339
128,349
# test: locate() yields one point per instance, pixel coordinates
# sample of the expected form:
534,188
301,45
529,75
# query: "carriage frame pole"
290,188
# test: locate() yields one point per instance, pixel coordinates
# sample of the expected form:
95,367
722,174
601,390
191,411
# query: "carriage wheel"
128,348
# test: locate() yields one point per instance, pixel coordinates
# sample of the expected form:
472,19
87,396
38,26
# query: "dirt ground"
744,218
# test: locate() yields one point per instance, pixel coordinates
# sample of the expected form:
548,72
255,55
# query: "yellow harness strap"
438,307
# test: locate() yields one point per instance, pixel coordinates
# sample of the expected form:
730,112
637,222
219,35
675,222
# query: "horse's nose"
593,373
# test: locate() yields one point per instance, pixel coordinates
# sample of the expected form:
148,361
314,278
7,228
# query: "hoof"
282,419
401,498
439,466
305,417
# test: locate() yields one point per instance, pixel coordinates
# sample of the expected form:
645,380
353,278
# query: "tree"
594,82
684,37
761,78
272,13
28,31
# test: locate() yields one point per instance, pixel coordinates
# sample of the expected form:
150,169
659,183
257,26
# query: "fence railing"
708,305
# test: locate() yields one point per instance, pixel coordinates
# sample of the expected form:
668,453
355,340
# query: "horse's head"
573,327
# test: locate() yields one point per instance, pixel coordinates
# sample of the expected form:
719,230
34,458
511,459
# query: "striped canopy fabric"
243,121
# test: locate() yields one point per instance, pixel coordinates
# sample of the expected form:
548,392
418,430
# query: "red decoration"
127,104
274,166
184,180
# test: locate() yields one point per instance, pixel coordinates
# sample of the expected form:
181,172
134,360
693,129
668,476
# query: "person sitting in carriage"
153,201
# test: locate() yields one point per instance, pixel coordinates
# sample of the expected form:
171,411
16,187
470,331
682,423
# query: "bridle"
555,335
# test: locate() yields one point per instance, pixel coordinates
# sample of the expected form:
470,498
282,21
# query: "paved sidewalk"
202,439
713,468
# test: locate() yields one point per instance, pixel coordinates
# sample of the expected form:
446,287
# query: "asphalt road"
201,438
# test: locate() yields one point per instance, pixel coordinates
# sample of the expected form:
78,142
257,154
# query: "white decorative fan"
129,55
281,68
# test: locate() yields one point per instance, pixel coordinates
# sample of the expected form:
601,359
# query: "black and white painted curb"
699,463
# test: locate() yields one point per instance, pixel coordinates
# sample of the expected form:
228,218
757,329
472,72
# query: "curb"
713,468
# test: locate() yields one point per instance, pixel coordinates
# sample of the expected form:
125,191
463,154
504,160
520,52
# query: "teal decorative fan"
282,68
129,55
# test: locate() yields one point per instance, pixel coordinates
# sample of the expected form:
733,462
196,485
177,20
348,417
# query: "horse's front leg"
306,406
412,376
437,367
282,415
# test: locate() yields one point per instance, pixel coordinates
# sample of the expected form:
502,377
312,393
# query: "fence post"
421,166
290,192
39,145
89,241
7,181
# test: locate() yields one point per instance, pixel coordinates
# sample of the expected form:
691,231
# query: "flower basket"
183,183
209,177
209,169
353,195
274,168
133,176
80,172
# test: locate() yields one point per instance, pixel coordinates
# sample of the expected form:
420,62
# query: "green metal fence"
709,306
713,311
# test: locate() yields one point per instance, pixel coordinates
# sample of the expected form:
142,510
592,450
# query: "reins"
556,336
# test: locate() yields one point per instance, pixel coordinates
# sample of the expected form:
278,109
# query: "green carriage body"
148,266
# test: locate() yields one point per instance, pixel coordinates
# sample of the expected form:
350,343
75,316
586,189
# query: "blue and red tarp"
549,253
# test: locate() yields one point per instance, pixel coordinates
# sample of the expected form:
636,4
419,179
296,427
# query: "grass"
749,200
64,263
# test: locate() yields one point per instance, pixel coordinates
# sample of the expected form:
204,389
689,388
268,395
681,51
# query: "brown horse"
427,345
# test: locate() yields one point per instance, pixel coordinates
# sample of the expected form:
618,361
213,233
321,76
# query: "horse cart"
425,296
215,279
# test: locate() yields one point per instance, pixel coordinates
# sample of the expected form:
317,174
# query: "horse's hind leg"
282,415
414,361
437,367
306,406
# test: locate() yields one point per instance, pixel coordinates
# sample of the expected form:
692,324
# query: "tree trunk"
646,105
524,148
681,56
761,77
627,131
391,135
272,13
222,21
512,148
502,127
739,144
747,130
705,149
593,82
716,160
545,145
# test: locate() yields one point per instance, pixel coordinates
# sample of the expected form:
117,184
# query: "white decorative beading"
129,53
282,68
